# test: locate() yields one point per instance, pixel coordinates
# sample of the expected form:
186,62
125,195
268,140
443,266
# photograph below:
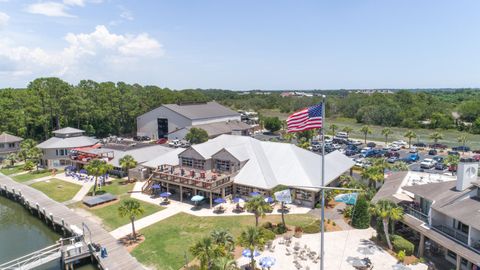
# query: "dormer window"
222,165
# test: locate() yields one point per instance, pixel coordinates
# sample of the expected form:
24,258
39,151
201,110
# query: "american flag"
308,118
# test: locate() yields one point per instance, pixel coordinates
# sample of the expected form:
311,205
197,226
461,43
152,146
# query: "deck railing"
456,234
415,213
205,183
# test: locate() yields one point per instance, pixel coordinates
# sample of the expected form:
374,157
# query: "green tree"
272,124
97,167
25,148
35,154
410,135
196,135
11,158
252,238
206,251
289,136
452,160
333,128
386,132
132,209
258,207
127,162
436,136
224,263
223,238
387,210
347,130
374,174
361,213
365,130
463,140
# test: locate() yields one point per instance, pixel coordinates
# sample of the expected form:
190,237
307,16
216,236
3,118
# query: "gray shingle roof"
68,130
201,110
8,138
390,187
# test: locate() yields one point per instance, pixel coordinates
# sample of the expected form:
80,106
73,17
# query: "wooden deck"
118,257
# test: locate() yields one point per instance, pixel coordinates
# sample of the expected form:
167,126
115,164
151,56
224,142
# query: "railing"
34,259
415,213
193,182
456,234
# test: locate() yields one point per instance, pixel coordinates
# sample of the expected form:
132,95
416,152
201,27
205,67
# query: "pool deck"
118,256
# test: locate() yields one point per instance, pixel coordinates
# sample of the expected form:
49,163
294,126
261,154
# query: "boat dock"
63,219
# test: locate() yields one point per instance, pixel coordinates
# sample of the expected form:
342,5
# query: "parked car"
390,154
395,147
420,144
454,153
141,138
461,148
365,149
354,142
371,144
413,149
392,159
161,141
432,152
175,143
440,166
373,153
400,143
412,158
438,146
184,143
427,163
452,168
476,157
438,159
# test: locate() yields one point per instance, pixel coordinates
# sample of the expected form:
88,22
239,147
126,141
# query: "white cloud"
80,3
84,53
51,9
126,14
3,19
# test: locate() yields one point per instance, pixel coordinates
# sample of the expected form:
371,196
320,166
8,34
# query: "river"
22,233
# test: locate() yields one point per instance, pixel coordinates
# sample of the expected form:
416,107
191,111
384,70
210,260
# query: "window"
193,163
222,165
11,145
303,195
460,226
2,145
452,254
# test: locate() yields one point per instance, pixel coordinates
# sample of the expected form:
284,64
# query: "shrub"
280,229
313,227
347,212
267,234
401,255
28,166
361,215
334,224
328,221
267,225
401,244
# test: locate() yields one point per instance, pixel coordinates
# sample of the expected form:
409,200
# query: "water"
22,233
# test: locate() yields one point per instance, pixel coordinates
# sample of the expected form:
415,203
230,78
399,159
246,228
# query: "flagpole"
322,221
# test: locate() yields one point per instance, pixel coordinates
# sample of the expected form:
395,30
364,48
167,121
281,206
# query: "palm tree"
374,174
347,130
333,127
224,263
410,135
276,189
25,147
386,132
436,136
452,160
251,238
35,154
206,251
131,209
127,162
365,130
223,238
11,158
97,167
289,136
258,206
387,210
463,140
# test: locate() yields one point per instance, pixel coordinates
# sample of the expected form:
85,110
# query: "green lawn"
167,240
12,170
116,187
57,189
32,175
109,213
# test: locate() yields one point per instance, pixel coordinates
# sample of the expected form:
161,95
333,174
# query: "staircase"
35,259
147,187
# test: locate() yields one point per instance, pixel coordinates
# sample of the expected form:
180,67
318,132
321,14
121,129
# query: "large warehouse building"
173,121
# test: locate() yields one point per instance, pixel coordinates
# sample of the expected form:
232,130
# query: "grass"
449,136
32,175
57,189
116,187
166,241
109,212
12,170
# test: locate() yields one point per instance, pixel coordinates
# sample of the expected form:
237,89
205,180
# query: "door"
162,127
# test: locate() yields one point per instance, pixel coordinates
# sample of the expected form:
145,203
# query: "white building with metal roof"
173,120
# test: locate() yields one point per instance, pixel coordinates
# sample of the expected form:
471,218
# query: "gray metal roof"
435,191
219,128
68,130
8,138
201,110
390,187
140,155
68,142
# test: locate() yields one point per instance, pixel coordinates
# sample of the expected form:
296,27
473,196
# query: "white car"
175,143
356,142
427,163
400,143
395,147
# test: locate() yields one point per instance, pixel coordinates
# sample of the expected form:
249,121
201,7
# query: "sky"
243,44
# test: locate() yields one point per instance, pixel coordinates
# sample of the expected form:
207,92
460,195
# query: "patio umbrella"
165,194
255,193
156,186
197,198
269,200
365,250
219,200
248,253
267,262
83,171
238,200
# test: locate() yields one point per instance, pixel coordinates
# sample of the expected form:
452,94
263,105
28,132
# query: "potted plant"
298,232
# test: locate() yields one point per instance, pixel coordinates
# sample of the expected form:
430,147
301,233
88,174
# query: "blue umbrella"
267,262
83,171
165,194
219,200
255,193
269,200
156,186
197,198
238,200
248,253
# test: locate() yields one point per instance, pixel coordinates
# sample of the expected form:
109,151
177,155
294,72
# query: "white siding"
147,123
215,120
178,135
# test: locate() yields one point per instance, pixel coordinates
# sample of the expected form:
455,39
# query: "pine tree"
361,214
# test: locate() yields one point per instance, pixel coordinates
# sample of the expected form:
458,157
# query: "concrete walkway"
80,194
334,214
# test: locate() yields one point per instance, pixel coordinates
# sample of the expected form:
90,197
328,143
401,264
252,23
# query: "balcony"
451,232
208,180
416,213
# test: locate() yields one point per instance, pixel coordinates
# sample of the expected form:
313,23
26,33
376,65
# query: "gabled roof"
68,142
169,158
201,110
68,130
219,128
140,155
8,138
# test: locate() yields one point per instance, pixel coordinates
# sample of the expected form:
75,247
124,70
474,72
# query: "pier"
65,221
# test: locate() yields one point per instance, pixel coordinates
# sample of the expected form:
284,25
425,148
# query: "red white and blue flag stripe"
308,118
